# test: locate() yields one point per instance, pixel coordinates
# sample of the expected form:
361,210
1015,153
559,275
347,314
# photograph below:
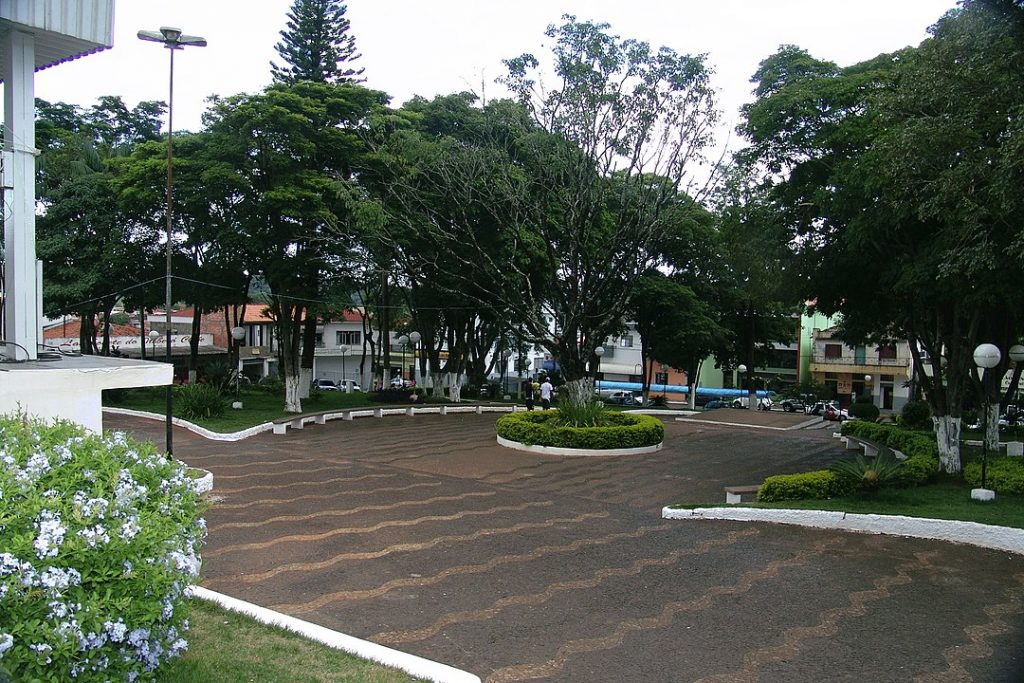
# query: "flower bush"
99,538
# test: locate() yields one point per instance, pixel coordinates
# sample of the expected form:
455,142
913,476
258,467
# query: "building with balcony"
884,370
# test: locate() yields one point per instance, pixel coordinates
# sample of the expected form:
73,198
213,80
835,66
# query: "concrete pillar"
21,317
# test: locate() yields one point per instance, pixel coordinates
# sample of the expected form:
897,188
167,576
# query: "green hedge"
1003,475
541,428
805,485
922,451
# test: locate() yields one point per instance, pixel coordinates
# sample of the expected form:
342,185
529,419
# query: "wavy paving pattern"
595,580
746,581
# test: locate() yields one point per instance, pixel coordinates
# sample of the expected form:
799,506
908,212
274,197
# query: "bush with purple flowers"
99,538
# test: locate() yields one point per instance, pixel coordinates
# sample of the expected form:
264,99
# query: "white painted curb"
969,533
417,666
555,450
194,428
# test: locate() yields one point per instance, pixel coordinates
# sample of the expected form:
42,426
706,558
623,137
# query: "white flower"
6,643
116,630
50,534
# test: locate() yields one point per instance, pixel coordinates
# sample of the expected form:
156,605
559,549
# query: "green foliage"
806,485
916,415
100,538
544,428
867,476
198,401
219,375
590,414
922,453
317,45
864,411
658,401
1002,475
395,395
271,384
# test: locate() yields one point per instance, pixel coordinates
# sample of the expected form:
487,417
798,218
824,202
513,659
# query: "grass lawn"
944,500
232,648
258,406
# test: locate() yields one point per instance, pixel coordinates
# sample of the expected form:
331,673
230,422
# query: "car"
325,385
763,403
835,414
716,403
792,405
622,398
399,383
349,385
819,407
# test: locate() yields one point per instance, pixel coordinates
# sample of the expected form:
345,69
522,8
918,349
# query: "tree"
317,45
896,176
285,156
547,208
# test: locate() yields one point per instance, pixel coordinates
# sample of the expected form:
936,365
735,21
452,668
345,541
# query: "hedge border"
538,428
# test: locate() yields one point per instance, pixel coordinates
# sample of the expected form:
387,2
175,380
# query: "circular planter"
202,480
539,432
556,450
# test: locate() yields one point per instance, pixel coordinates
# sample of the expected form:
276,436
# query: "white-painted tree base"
983,494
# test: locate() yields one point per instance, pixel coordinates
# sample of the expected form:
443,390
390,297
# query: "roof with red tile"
71,329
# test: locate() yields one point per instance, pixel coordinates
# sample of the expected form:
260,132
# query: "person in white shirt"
545,394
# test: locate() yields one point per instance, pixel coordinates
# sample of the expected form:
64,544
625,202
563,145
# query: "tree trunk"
579,392
436,385
292,401
947,433
193,344
454,388
308,351
693,381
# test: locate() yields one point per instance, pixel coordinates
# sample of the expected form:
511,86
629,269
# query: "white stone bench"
734,494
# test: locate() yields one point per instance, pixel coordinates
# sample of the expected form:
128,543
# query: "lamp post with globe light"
415,337
343,350
172,39
599,351
238,334
986,357
869,388
741,369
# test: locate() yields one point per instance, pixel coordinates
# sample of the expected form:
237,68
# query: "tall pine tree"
316,46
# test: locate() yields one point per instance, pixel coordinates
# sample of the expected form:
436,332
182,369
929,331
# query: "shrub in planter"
544,428
1002,475
864,411
99,538
199,401
865,475
815,485
916,415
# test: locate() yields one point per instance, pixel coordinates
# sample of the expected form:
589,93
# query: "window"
661,378
833,350
319,342
886,352
626,341
349,338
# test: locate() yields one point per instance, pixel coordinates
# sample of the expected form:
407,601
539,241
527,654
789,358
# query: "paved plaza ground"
420,533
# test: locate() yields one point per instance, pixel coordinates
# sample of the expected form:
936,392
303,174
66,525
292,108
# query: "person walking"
528,393
545,394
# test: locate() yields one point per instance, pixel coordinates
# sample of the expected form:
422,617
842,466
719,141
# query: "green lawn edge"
229,647
948,501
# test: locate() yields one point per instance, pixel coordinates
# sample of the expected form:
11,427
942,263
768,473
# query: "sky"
439,47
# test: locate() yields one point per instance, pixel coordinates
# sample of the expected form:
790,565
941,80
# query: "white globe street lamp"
741,371
415,337
986,357
238,334
599,351
343,350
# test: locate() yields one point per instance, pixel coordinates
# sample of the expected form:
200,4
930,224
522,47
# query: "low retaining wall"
554,450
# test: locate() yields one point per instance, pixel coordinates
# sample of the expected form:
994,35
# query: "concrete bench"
734,494
870,448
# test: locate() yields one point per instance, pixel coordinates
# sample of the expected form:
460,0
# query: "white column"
21,319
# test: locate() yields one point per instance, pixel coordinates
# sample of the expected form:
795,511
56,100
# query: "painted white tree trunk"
947,435
305,381
579,392
292,402
992,428
436,385
191,376
454,388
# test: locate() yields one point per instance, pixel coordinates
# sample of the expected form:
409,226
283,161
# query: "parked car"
622,398
835,414
349,385
399,383
792,405
716,403
763,403
819,407
325,385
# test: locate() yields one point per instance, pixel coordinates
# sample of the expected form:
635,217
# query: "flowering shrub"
99,537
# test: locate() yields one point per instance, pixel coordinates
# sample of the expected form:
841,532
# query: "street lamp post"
343,350
404,341
742,371
599,351
153,336
415,337
173,40
869,388
1016,354
238,334
986,357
